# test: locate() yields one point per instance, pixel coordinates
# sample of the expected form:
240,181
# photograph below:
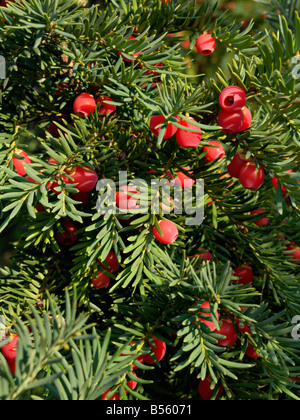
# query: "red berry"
159,349
209,324
232,98
69,236
274,182
251,352
62,87
9,350
115,396
84,104
245,273
205,255
156,120
188,139
127,201
215,151
247,118
112,261
102,280
132,384
296,254
19,163
204,389
103,107
231,121
236,164
243,329
81,196
227,329
251,178
205,44
261,222
85,178
135,54
170,232
183,180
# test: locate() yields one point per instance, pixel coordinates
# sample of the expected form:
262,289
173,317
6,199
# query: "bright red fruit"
112,261
205,255
227,329
247,118
102,280
204,389
170,232
84,104
103,107
115,396
159,349
84,176
296,254
183,180
236,164
156,120
19,163
135,54
127,201
251,178
274,182
209,324
241,329
81,196
215,151
132,384
9,350
251,352
245,273
263,221
231,121
69,235
232,98
188,139
205,44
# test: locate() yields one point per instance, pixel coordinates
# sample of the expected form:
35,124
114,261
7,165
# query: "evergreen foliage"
76,341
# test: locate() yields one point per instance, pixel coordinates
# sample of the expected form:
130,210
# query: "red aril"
236,164
84,105
205,44
263,221
251,178
69,235
232,98
85,177
19,163
227,329
215,151
188,139
231,121
183,180
245,273
125,200
156,120
101,281
159,348
209,324
247,119
205,391
104,107
170,232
